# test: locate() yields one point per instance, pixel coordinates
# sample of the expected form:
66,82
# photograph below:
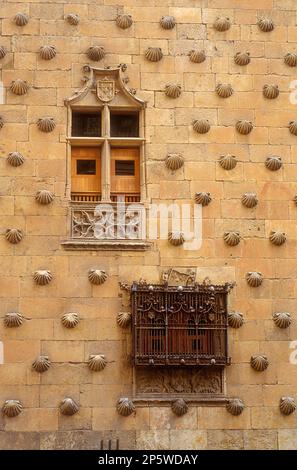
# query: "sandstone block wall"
168,129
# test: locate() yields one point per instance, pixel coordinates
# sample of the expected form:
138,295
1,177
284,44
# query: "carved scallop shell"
15,159
176,238
12,408
44,197
97,276
68,407
72,19
282,319
222,24
42,277
235,319
242,58
46,124
203,198
273,163
235,406
97,362
232,238
47,52
125,407
224,90
2,52
13,235
201,126
249,200
124,21
1,122
13,319
21,19
154,54
259,362
179,407
19,87
41,364
287,405
96,53
244,127
254,278
167,22
266,24
197,56
277,238
124,319
70,320
293,127
174,161
228,162
270,91
291,59
173,91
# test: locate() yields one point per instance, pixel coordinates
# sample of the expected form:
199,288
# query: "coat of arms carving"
105,90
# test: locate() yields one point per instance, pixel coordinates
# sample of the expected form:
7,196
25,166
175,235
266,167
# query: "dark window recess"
86,167
124,167
180,326
124,124
86,124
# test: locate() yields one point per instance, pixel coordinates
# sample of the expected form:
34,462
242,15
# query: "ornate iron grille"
180,326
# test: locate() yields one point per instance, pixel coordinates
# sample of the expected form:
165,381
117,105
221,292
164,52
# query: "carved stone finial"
282,319
13,319
235,406
97,276
70,320
259,362
68,406
12,408
97,362
42,277
124,319
254,279
174,161
125,407
179,407
13,235
235,319
41,364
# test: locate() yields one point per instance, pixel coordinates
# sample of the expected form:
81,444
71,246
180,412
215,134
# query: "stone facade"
168,129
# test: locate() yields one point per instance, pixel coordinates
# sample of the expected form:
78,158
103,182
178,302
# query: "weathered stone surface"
257,439
225,439
19,440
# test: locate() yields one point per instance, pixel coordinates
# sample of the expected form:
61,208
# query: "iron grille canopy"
180,326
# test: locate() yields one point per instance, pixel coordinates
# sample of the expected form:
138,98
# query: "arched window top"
105,86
